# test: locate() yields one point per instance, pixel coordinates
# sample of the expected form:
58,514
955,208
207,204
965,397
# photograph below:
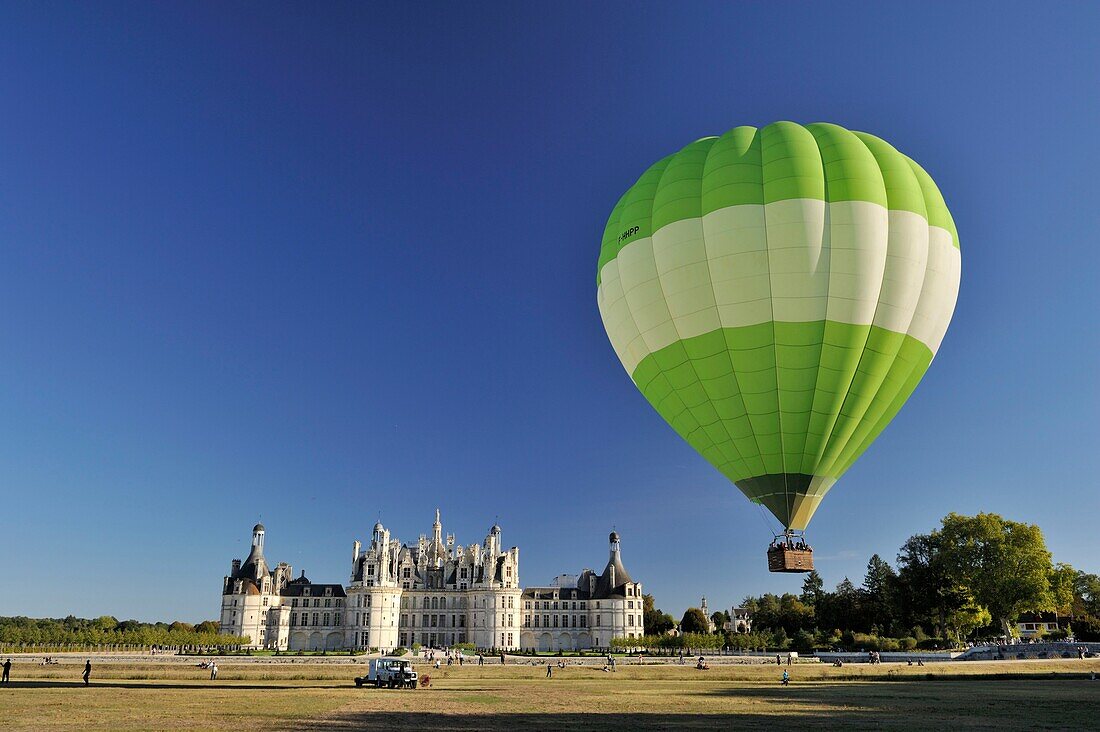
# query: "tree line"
106,630
969,579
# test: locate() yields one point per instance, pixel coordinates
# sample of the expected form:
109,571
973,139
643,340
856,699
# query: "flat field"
139,695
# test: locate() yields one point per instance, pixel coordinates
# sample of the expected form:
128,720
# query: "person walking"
502,658
549,670
480,660
214,671
777,661
7,672
790,658
87,671
786,678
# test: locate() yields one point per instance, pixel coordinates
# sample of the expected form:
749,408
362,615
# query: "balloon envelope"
776,294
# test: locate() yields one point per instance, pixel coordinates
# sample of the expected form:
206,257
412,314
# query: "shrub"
908,643
888,644
416,647
400,651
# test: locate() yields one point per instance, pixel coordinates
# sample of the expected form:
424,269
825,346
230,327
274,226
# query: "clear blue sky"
329,265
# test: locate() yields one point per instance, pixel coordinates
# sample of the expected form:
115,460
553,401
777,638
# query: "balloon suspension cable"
764,517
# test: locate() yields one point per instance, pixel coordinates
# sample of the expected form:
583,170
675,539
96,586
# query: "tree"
1005,565
803,641
813,588
694,621
925,590
1086,594
654,621
879,589
967,618
772,612
1063,581
843,609
719,618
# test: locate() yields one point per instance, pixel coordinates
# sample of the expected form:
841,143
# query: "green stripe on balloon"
729,414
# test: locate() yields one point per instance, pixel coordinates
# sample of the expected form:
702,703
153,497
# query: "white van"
388,671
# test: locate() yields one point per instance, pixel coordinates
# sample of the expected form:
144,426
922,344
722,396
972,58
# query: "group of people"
560,665
779,661
6,677
452,656
212,665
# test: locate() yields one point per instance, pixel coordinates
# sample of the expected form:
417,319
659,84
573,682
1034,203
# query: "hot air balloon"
776,294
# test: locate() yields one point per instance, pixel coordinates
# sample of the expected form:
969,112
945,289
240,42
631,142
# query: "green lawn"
283,696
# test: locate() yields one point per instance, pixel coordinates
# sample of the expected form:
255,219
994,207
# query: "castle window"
316,602
598,620
370,569
582,604
316,618
326,619
293,619
406,573
536,621
584,621
463,574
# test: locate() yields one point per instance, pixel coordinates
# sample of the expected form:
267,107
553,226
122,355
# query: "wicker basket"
782,558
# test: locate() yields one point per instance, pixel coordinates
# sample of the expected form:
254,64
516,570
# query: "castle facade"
435,592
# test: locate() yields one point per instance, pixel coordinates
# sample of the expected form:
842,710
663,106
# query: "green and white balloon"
777,294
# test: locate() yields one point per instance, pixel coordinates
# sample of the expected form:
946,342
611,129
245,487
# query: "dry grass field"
1054,695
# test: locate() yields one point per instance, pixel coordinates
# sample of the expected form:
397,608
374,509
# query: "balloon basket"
786,554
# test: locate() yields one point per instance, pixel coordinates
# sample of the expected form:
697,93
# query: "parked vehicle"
395,673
